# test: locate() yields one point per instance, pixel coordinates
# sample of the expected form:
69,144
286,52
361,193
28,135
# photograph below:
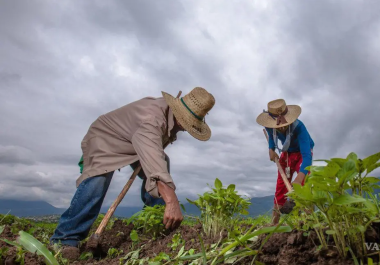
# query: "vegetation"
338,205
220,208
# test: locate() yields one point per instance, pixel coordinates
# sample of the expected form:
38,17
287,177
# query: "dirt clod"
70,253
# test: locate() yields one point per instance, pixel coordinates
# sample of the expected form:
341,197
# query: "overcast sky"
64,63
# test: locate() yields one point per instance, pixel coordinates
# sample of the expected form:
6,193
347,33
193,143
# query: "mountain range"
259,206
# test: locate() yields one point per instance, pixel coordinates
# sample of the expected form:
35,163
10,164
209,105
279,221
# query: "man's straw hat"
190,111
279,114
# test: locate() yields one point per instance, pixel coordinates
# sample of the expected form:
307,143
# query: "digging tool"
93,241
289,205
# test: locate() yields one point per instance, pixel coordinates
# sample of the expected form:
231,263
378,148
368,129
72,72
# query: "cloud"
65,64
16,155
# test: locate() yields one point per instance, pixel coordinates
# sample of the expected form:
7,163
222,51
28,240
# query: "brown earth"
295,248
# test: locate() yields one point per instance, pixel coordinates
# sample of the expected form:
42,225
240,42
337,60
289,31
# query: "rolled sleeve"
305,149
147,142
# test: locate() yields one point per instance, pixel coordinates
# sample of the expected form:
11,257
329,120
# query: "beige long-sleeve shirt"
137,131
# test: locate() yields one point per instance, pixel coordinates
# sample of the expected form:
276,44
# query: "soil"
295,248
284,248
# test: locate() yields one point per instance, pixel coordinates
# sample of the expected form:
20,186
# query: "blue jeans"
75,223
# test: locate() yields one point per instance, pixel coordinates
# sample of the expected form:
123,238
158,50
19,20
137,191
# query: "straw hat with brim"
278,114
190,111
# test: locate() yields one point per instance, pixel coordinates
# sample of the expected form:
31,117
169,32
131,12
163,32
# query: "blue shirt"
300,142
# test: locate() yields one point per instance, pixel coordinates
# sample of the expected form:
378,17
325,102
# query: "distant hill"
39,208
28,208
260,205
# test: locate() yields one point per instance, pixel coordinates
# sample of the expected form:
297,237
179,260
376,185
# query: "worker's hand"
300,177
173,215
273,155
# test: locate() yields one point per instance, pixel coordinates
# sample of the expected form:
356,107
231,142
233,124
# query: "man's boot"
68,252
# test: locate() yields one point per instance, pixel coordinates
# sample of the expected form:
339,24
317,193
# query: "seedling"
220,208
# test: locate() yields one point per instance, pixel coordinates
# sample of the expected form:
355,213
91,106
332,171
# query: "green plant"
132,258
176,241
99,219
342,193
220,208
26,242
7,219
250,236
149,220
113,253
3,252
86,256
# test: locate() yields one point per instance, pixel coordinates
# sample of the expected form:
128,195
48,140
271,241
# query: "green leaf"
244,212
2,229
192,202
367,179
183,207
371,207
85,256
180,252
331,169
11,243
218,184
34,246
229,200
353,210
134,236
246,237
372,159
347,199
339,161
190,257
203,250
302,192
231,187
135,254
352,156
372,167
330,232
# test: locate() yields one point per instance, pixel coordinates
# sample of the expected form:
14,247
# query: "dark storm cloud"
65,63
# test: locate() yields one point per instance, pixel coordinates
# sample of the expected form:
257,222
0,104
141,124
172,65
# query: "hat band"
280,117
195,115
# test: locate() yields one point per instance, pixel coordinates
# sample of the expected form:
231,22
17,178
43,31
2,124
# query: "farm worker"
135,132
281,122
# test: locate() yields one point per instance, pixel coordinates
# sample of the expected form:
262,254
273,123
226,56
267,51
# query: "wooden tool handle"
282,173
119,198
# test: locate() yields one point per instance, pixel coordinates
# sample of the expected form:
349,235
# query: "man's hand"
173,215
273,155
300,177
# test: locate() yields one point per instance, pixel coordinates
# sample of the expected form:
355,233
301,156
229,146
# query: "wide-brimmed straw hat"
190,111
278,114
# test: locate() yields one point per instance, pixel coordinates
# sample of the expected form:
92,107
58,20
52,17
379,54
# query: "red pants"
294,162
